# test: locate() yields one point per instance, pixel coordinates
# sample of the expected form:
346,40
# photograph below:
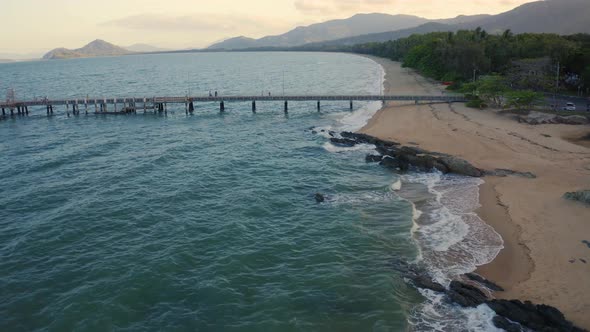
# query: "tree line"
459,56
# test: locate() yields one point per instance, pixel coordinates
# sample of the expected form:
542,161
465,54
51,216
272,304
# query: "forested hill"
455,56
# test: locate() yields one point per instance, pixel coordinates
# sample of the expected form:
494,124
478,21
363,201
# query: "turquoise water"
197,223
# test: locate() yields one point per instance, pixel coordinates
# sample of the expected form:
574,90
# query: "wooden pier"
160,104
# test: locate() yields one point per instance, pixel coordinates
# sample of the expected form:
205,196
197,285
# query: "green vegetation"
460,57
524,99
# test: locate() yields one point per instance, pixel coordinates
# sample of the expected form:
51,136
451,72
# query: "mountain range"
550,16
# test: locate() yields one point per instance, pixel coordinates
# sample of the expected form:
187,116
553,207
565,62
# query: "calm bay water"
208,222
205,222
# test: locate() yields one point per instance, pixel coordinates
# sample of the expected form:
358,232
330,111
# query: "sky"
36,26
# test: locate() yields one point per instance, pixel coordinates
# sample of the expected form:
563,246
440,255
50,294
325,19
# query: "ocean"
208,222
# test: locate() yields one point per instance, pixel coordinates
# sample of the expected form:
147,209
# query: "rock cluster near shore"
395,156
537,118
402,158
469,290
579,196
472,290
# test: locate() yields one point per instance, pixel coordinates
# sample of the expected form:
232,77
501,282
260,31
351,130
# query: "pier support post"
351,105
115,102
67,109
253,106
86,107
286,106
222,107
11,111
186,108
144,106
3,112
319,106
27,110
191,107
416,101
165,108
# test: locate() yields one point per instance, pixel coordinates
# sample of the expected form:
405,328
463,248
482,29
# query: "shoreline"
542,233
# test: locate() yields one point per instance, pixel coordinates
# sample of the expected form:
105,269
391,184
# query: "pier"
160,104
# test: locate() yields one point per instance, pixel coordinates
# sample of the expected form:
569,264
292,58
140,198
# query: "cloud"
430,8
330,7
219,23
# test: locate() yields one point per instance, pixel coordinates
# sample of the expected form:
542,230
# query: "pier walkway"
160,104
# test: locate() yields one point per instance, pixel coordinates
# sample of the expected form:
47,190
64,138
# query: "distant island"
93,49
99,48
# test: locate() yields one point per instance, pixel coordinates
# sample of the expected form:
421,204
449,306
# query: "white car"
570,107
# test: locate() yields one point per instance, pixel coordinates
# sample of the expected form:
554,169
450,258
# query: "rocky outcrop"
402,158
460,166
367,139
536,317
319,198
579,196
512,315
506,325
484,282
423,281
371,158
343,142
537,118
406,157
500,172
466,295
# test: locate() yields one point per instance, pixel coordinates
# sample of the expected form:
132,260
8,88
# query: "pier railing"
159,104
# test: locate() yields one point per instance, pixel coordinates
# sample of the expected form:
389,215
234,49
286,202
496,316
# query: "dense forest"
460,56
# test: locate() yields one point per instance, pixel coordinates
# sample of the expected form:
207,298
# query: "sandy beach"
544,259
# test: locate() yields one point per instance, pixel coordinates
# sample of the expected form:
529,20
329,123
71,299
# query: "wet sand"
543,256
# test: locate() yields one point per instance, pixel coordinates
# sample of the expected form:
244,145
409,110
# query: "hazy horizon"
38,26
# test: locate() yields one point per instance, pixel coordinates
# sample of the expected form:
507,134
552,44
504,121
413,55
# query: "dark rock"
367,139
582,260
500,172
579,196
586,242
395,163
460,166
331,133
343,142
421,281
503,323
319,198
537,118
572,120
424,162
314,132
536,317
418,275
483,281
371,158
466,295
406,156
